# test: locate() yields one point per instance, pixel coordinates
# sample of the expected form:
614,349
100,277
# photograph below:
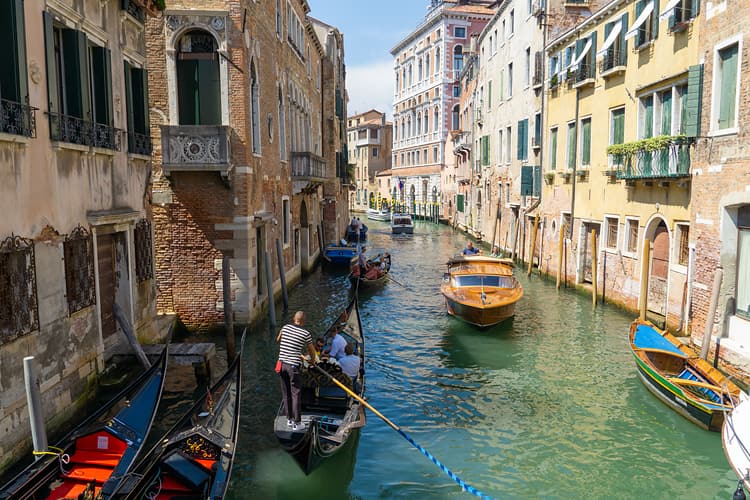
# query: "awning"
579,57
639,22
668,10
610,40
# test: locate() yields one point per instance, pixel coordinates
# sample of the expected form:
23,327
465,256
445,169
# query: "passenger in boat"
385,262
470,250
320,344
364,266
350,363
338,344
293,340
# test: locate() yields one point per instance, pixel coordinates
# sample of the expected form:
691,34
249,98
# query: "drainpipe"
575,161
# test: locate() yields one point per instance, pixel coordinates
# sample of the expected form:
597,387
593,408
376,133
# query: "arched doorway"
304,236
658,278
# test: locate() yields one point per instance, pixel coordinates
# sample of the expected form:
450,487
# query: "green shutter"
522,139
728,92
694,97
13,79
84,81
537,181
586,146
655,20
608,29
571,146
553,150
591,56
623,42
108,86
129,103
666,113
144,104
101,83
460,203
489,95
639,38
526,180
49,49
695,8
618,126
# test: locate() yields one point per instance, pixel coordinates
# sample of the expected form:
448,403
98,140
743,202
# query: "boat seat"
185,470
101,442
95,458
687,374
69,489
88,473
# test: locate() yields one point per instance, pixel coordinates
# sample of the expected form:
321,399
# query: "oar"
398,283
464,486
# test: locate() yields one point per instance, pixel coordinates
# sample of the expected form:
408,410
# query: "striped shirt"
294,340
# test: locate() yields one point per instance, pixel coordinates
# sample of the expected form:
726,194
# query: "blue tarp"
648,338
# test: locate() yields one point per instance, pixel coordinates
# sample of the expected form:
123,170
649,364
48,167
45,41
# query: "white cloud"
370,87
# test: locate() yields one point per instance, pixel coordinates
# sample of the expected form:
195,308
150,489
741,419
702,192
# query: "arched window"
282,127
408,126
436,120
458,58
426,122
438,62
419,123
410,75
427,65
403,77
397,89
419,70
455,118
198,82
255,107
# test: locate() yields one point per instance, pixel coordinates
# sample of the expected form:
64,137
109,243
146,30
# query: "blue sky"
370,30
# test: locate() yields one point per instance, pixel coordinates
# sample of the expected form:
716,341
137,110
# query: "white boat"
735,437
382,215
402,224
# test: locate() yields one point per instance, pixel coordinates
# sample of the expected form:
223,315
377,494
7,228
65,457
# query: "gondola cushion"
187,471
101,442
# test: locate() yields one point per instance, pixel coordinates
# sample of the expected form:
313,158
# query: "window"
743,262
646,22
144,268
683,245
19,312
459,32
571,145
79,270
683,12
438,62
198,86
614,52
427,65
278,18
15,116
512,22
255,108
616,132
489,95
527,82
458,58
500,146
136,97
523,139
419,70
725,88
287,219
282,128
586,142
434,154
436,119
632,235
374,152
508,144
455,118
510,80
612,227
553,149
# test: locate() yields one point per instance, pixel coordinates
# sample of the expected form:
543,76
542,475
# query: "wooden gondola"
372,278
686,383
329,415
94,457
480,290
194,458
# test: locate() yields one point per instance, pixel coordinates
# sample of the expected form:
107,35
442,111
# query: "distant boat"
735,438
686,383
95,457
341,254
481,290
381,215
402,224
330,416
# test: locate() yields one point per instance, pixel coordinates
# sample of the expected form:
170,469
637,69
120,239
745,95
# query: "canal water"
546,405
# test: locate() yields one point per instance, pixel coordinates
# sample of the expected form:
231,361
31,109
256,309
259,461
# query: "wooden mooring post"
228,316
594,277
643,298
282,274
269,290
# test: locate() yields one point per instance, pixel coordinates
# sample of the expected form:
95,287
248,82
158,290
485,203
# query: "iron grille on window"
75,130
79,270
17,118
144,268
632,236
612,59
612,233
684,248
19,311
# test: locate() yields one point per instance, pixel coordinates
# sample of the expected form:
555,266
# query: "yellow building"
624,97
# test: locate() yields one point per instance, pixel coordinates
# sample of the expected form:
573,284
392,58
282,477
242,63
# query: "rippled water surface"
545,405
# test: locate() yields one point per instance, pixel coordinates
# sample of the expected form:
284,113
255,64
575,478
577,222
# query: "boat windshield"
489,281
402,221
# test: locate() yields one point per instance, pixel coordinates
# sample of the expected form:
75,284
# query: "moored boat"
735,439
341,254
380,267
95,456
686,383
481,290
381,215
330,417
402,224
194,458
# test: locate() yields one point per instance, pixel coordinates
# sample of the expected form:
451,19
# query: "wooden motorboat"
735,438
481,290
685,382
95,456
402,224
377,275
341,254
381,215
194,458
330,417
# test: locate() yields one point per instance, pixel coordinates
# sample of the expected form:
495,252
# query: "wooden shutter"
526,180
624,43
553,150
144,103
53,104
108,86
728,92
537,180
591,56
521,138
694,96
655,20
639,38
13,79
129,104
460,203
586,143
695,8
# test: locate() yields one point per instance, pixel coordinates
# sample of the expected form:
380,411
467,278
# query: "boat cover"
648,338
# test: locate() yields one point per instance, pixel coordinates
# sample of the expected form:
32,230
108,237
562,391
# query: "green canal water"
547,405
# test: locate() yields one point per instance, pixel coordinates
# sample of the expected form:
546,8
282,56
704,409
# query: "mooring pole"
228,316
533,246
604,278
282,274
643,298
560,249
36,412
594,277
718,275
269,288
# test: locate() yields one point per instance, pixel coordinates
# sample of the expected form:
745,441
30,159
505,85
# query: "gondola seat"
185,470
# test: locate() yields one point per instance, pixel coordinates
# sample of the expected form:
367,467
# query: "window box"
549,177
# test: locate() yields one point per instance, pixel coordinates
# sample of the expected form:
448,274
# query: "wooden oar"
466,487
682,381
398,283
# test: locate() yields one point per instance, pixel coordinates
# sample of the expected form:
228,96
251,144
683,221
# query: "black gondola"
95,456
329,415
194,458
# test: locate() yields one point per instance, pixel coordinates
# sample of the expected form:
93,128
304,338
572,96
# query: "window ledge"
630,255
584,83
70,146
613,71
135,156
20,139
725,131
644,46
678,268
611,251
103,151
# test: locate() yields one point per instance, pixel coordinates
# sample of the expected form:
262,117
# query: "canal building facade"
621,123
370,138
76,238
720,201
247,99
427,63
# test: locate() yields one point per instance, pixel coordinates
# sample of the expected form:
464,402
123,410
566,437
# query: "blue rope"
464,486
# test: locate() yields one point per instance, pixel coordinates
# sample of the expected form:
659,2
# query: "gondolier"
293,340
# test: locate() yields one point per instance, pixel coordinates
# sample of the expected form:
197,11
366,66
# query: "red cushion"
101,441
96,458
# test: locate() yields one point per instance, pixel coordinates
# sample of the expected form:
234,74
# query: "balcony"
139,144
612,63
17,118
309,171
75,130
584,75
656,158
195,148
462,142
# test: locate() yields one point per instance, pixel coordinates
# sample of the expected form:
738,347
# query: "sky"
371,29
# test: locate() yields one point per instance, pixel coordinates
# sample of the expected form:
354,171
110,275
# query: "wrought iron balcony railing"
306,165
671,161
139,144
195,148
75,130
584,73
17,118
613,58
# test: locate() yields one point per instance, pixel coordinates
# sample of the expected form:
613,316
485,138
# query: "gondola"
375,277
686,383
194,458
329,415
91,460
